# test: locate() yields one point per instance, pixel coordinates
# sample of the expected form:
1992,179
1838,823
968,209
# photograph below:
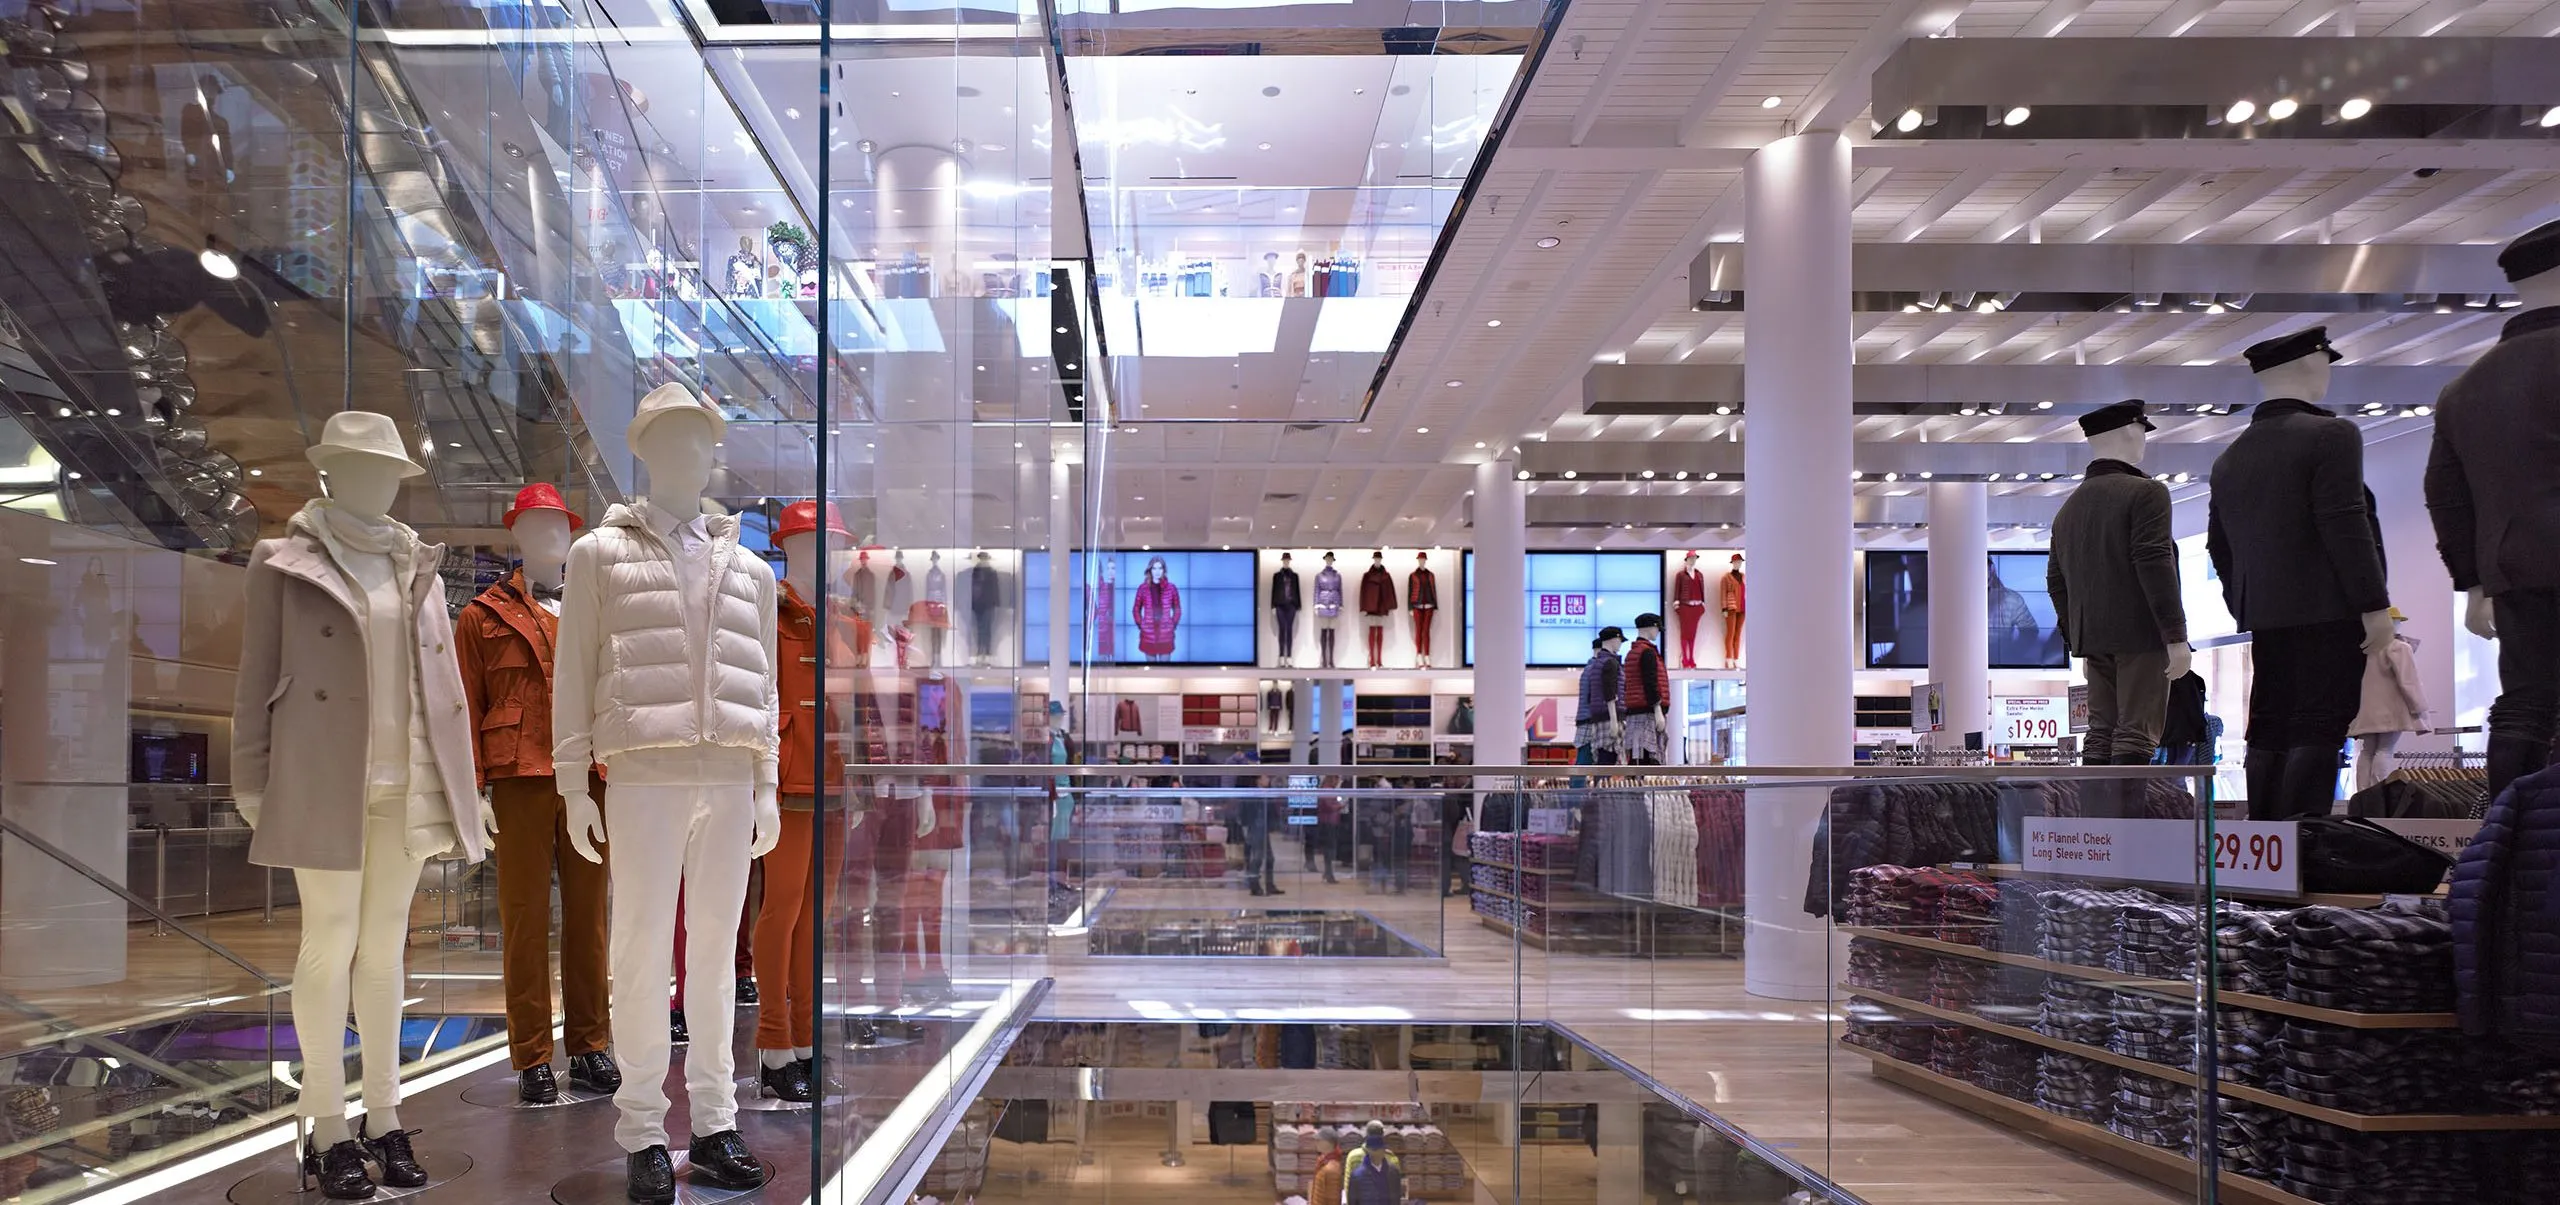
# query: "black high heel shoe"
340,1172
398,1159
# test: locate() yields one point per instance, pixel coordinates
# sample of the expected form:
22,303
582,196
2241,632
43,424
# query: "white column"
1796,534
1502,633
1621,1154
1960,606
2396,469
923,392
65,728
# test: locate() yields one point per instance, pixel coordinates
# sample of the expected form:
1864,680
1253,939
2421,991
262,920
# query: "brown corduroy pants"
532,843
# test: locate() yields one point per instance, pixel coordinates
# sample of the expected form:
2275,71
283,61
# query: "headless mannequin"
2128,444
354,926
677,451
2540,291
2307,379
1328,615
937,608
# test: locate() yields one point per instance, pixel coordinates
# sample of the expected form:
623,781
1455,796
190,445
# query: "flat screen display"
1202,614
179,757
1570,596
2025,633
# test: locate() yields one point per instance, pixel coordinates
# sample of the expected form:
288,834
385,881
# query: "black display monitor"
2025,633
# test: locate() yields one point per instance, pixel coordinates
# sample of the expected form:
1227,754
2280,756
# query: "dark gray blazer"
2493,476
2114,570
2290,527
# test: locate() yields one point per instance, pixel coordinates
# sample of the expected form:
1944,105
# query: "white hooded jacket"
627,675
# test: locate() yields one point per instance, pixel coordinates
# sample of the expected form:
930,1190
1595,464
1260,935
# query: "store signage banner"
1929,707
2249,855
1559,609
2447,837
2030,719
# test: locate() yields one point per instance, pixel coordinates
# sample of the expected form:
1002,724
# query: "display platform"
752,1099
605,1184
280,1183
501,1094
1225,933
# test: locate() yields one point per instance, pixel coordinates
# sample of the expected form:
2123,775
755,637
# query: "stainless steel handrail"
91,873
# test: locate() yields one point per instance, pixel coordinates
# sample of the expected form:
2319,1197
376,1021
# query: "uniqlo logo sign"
1558,610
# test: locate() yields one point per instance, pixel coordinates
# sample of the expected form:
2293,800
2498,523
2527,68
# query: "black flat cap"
1648,620
2263,356
2108,418
1608,633
2533,253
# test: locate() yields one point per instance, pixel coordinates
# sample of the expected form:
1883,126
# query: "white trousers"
2376,757
355,930
663,837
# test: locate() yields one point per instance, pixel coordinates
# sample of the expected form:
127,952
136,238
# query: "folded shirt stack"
2154,1029
2006,1066
2080,923
2075,1087
2376,1070
2249,1138
2250,945
1893,969
2244,1046
1960,983
2155,940
1967,912
2323,1163
2154,1112
2395,958
2077,1011
2017,914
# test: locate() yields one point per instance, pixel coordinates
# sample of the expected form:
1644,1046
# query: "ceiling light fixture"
1422,430
1647,474
2353,108
2240,111
2282,107
1909,121
2044,405
1493,322
1523,475
1682,475
1771,102
1454,384
2016,115
1549,243
1709,476
2550,117
221,266
1569,474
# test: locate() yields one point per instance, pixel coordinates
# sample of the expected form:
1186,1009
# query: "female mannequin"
1328,608
1729,594
348,604
1377,602
933,614
1689,605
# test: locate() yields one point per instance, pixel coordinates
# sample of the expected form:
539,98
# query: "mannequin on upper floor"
1328,609
1422,598
2114,580
1689,605
2495,502
1286,599
1377,602
504,640
351,761
2291,530
682,713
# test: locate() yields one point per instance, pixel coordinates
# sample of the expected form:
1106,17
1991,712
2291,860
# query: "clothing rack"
2442,759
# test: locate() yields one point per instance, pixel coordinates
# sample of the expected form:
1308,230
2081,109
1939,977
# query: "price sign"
2248,855
2447,837
1302,803
2029,719
1555,822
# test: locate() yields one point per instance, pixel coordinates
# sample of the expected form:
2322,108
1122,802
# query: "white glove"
488,813
2480,615
586,824
2182,658
768,830
247,805
2378,630
924,816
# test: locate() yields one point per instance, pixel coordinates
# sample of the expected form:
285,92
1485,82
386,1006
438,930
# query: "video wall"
1572,595
2025,632
1163,608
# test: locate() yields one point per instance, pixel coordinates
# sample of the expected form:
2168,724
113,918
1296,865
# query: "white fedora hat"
676,397
362,433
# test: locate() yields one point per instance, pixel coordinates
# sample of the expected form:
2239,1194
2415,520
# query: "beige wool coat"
301,721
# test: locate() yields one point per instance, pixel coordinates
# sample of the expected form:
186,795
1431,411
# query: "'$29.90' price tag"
2257,855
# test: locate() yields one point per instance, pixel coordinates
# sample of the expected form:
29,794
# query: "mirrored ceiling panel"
1261,222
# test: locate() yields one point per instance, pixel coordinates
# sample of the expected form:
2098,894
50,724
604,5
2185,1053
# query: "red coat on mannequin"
1689,605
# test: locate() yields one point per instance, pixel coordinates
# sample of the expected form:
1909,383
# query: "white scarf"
340,530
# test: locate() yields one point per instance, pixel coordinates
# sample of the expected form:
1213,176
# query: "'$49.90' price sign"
2257,855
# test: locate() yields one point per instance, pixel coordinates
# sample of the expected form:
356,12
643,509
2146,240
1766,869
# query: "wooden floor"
1770,1067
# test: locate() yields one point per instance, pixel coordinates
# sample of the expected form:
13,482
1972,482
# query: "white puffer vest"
623,612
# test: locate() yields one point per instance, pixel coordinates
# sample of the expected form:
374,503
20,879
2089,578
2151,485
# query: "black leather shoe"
746,991
787,1082
819,1087
340,1173
595,1072
398,1159
723,1159
650,1177
536,1085
677,1034
866,1033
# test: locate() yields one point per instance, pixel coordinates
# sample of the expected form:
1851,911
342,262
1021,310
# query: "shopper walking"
1372,1175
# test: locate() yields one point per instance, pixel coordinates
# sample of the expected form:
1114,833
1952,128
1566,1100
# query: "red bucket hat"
802,517
541,495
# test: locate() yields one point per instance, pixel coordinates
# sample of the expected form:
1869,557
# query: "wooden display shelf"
1537,870
2368,1123
2079,1137
2011,870
1568,905
2174,989
1544,941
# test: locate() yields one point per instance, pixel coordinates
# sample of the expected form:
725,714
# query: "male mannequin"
986,601
1596,717
933,612
1689,603
1285,601
2495,500
1729,595
1422,597
351,761
1377,602
1328,608
1644,703
2114,580
811,761
683,715
2293,537
504,640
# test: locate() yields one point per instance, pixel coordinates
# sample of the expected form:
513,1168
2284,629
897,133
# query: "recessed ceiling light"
1479,443
1422,430
1682,475
1909,121
1262,146
2282,107
1647,474
2240,111
1570,474
2355,107
2550,117
1549,242
1523,475
1454,384
1493,322
1771,102
2016,115
1361,430
36,560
